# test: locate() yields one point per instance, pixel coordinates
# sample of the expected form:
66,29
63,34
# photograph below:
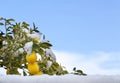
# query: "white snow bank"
69,78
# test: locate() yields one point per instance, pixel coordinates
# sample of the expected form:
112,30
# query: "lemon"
31,58
33,68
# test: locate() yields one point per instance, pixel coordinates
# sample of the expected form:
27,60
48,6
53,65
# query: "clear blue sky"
71,25
81,26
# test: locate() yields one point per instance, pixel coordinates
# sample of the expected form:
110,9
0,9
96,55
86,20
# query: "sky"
84,33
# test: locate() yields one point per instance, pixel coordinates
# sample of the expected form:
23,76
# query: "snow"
34,35
50,54
60,79
28,47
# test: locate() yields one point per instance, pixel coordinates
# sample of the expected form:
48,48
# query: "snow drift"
69,78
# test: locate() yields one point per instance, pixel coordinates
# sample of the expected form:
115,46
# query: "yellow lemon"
31,58
33,68
36,39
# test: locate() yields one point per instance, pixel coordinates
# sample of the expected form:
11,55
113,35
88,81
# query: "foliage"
14,49
78,72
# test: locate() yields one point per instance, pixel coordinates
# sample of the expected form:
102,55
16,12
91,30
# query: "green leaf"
80,71
45,45
1,63
33,25
36,30
24,73
43,37
84,74
10,33
1,18
41,51
74,69
10,19
65,72
76,73
25,25
2,33
1,24
8,22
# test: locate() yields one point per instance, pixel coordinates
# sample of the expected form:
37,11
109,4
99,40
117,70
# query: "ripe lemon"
39,73
31,58
33,68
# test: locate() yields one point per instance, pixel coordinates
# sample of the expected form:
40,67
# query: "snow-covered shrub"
20,47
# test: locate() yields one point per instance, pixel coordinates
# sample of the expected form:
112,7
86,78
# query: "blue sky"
76,26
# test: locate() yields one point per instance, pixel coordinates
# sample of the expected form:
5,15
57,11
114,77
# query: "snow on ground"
69,78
